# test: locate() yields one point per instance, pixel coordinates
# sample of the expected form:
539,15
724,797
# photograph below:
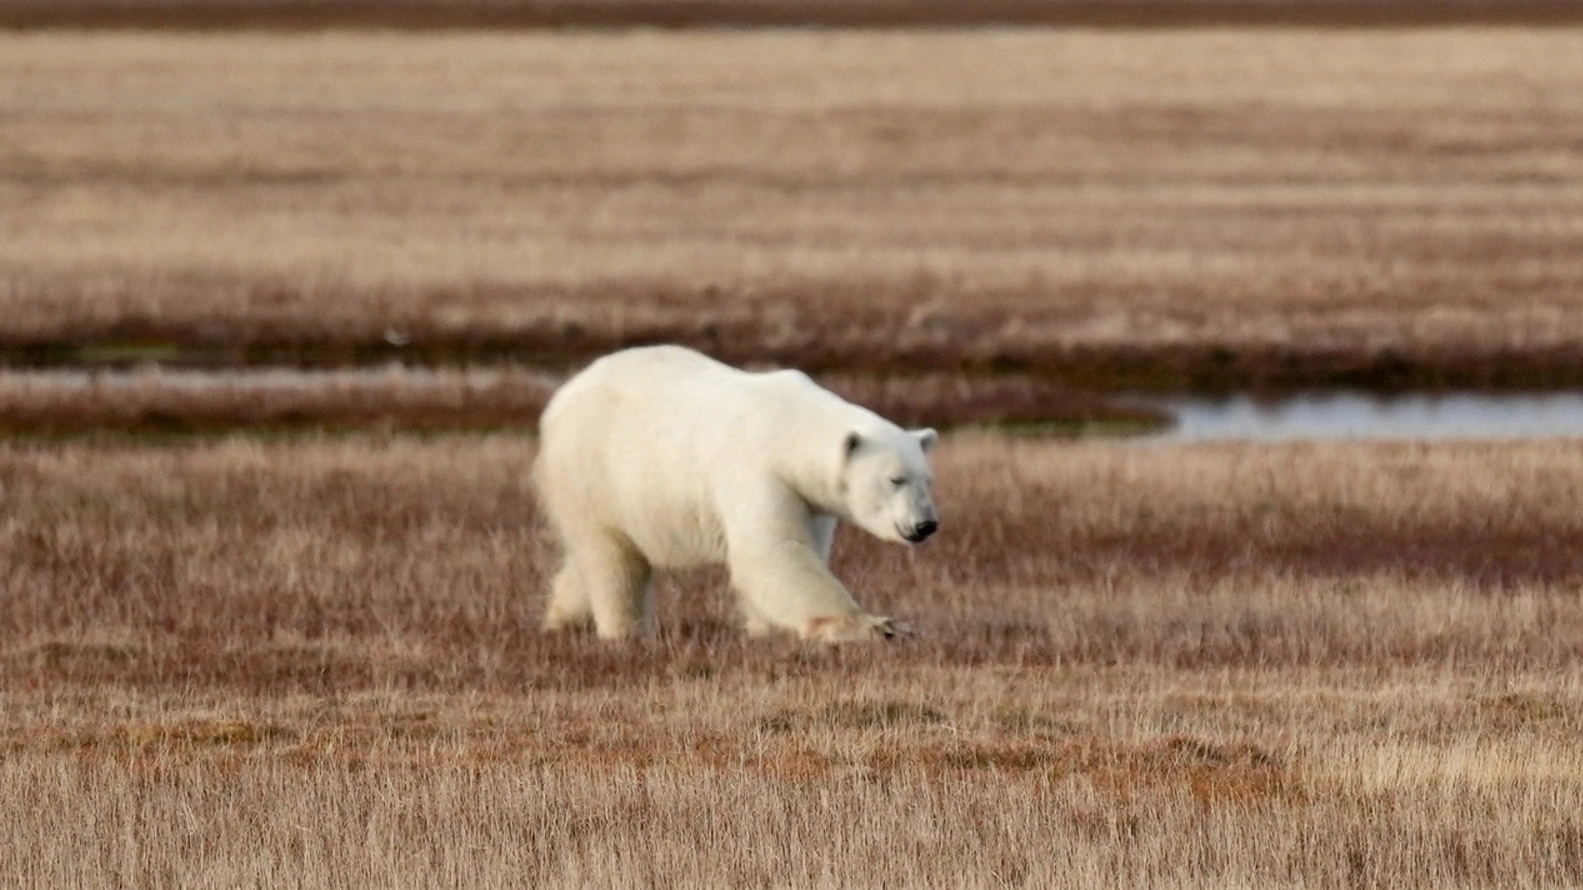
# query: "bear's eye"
898,481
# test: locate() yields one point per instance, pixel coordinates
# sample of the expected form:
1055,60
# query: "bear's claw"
844,628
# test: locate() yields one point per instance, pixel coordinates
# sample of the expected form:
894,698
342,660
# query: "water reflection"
1352,415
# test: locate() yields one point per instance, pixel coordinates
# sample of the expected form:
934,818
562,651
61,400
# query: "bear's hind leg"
616,579
569,605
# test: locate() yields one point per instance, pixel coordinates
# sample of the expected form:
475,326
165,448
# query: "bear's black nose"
923,530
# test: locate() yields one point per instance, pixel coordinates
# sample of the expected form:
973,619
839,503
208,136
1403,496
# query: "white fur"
659,457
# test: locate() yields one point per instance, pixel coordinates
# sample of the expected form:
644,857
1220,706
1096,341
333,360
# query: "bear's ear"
852,444
926,438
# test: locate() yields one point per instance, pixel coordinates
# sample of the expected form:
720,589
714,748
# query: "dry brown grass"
304,564
1073,777
316,663
1209,207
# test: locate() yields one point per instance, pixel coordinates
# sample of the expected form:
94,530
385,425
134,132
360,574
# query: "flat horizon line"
420,15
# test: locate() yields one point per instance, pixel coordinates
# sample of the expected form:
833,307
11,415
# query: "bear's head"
886,483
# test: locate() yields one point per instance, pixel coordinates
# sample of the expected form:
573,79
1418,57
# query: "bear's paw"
851,627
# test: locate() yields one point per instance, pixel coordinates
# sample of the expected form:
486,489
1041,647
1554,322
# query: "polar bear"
660,457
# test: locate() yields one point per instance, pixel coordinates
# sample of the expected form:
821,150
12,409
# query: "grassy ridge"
151,401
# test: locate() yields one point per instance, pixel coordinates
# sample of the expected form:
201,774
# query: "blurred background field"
1158,209
1116,210
283,287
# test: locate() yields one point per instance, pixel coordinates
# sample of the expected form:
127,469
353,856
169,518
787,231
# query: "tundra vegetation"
318,662
315,659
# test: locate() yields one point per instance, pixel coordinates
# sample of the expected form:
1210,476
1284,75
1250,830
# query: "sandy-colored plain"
317,663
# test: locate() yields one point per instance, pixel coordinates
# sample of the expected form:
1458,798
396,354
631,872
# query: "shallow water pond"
1356,415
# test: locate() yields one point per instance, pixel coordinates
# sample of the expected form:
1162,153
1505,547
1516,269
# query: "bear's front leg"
776,550
787,586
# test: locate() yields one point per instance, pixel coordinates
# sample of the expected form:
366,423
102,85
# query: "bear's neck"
813,467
